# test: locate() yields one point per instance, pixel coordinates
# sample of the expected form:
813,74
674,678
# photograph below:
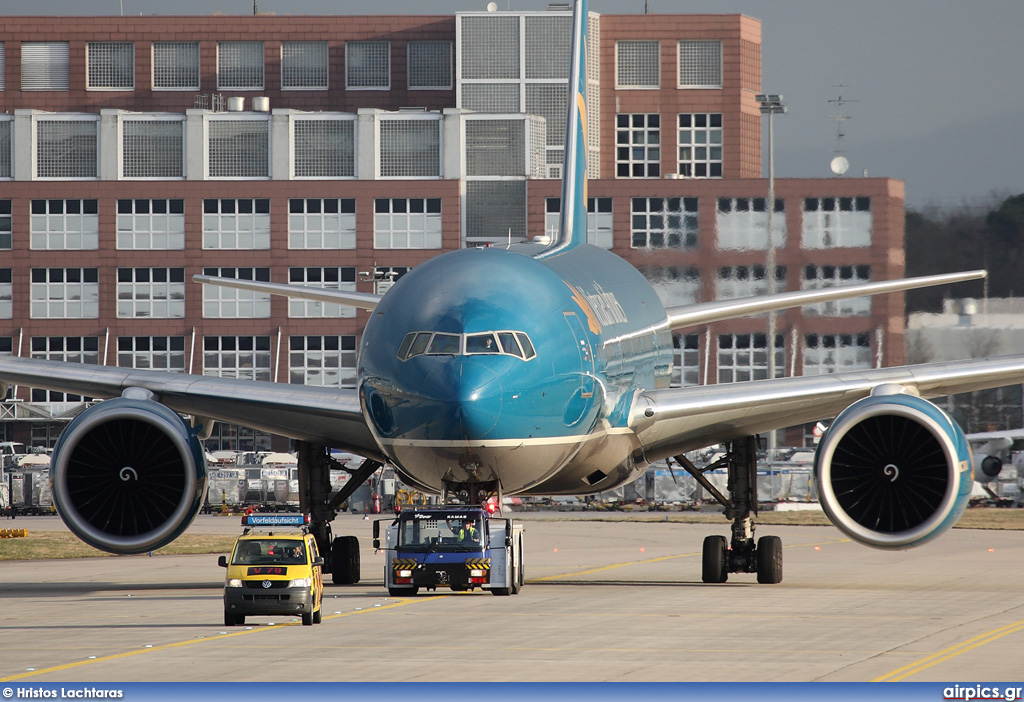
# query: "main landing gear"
719,558
341,554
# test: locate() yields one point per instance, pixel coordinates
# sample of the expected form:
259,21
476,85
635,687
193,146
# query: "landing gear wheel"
713,566
403,591
769,560
345,560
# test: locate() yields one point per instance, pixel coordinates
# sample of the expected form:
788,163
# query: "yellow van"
277,572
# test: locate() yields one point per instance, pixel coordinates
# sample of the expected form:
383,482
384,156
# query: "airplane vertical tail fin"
572,225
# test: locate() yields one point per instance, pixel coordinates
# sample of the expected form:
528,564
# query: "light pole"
771,105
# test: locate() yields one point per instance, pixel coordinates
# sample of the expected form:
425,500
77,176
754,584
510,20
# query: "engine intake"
129,476
893,471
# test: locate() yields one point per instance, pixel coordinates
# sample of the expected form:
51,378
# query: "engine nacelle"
987,468
128,475
893,470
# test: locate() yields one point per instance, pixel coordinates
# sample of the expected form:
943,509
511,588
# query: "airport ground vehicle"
458,547
276,572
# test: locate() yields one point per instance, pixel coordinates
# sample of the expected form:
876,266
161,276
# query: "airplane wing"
326,415
670,422
364,301
705,312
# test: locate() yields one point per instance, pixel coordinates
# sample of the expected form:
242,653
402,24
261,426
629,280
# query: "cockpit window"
419,344
508,343
524,341
445,344
481,343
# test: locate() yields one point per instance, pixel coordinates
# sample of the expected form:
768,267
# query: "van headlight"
233,582
301,582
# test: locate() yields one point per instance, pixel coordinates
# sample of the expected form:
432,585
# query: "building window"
743,357
490,47
157,293
835,353
151,224
3,72
239,148
638,146
686,369
152,148
817,277
664,222
410,148
66,148
327,361
324,148
342,278
599,220
68,349
165,353
65,293
241,357
110,65
741,224
430,65
495,211
175,65
6,295
5,145
221,302
242,223
675,285
700,63
328,223
407,223
746,281
44,65
6,225
304,65
368,65
240,65
700,145
637,64
59,225
836,222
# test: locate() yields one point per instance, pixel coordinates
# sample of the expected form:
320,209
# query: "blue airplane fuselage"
536,415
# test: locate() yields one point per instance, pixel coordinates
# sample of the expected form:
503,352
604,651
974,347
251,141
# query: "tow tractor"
457,546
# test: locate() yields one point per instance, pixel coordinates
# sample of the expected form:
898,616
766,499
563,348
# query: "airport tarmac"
604,601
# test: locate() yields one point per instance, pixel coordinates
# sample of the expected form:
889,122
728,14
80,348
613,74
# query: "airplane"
541,368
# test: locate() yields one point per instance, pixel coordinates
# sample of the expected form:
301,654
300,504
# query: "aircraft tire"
769,560
345,560
714,553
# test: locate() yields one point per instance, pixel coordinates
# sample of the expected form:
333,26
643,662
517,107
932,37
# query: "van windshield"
269,552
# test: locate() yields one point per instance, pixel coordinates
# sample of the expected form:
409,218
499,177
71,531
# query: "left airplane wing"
670,422
326,415
719,310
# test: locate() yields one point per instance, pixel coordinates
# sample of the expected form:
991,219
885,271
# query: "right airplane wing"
672,421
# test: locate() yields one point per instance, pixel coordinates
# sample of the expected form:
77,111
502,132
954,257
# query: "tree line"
966,238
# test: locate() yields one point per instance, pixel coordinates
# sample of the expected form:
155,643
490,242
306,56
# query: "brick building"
136,152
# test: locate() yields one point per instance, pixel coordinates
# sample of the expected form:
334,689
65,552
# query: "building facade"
340,151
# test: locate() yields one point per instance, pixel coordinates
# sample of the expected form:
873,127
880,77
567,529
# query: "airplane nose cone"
472,402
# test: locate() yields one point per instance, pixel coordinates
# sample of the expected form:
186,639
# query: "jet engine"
128,475
987,468
893,471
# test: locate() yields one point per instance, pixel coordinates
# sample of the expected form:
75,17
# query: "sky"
932,90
